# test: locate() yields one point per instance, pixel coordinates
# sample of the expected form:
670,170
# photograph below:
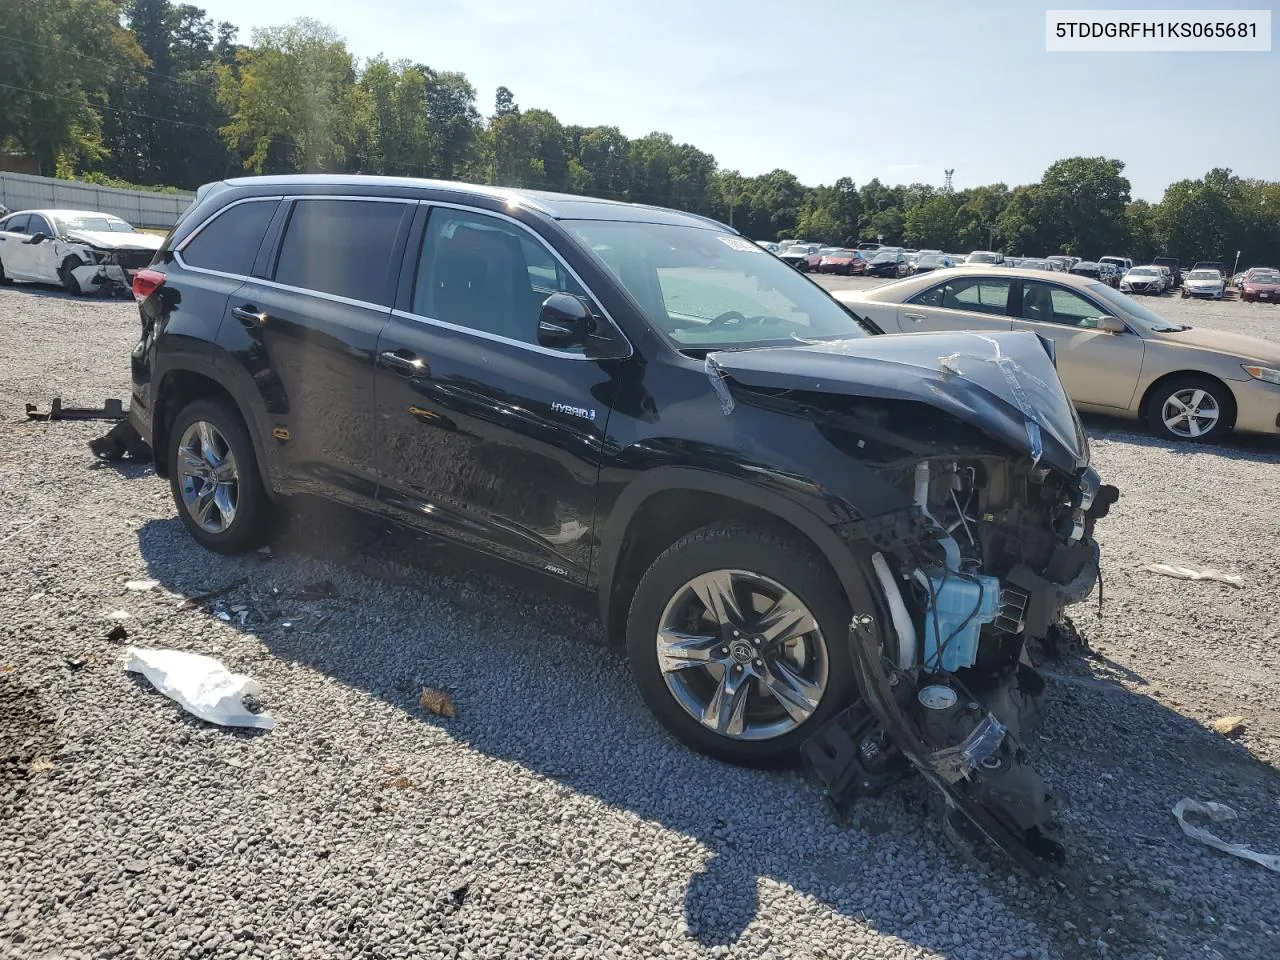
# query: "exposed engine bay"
984,562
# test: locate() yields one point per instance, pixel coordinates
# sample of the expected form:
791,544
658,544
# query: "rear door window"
229,242
17,223
341,247
973,294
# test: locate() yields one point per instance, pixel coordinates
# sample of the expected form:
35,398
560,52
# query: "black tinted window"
342,247
229,243
486,274
39,224
17,223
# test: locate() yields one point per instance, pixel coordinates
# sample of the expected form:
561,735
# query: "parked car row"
1114,355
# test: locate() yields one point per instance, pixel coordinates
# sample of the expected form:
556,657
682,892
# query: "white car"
1143,280
79,249
1204,283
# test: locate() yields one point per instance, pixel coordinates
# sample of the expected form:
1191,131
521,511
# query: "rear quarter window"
229,242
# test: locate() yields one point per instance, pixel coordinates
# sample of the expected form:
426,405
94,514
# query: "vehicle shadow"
537,687
1236,446
54,292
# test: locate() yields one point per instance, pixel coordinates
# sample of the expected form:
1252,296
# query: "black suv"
778,510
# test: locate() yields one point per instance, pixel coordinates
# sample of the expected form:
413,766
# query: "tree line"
156,93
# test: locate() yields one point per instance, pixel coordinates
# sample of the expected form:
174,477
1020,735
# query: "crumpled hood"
108,240
1004,383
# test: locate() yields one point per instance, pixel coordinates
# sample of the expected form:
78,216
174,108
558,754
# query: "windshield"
885,258
1126,308
1265,276
1204,275
95,224
708,290
982,258
840,254
1144,272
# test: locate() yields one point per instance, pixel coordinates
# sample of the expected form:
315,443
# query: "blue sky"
898,91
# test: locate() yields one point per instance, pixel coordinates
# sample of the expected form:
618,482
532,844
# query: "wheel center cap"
742,651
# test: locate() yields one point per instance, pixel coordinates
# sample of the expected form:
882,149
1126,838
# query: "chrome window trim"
493,337
208,220
406,314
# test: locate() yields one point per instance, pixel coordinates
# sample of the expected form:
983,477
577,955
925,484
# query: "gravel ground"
552,817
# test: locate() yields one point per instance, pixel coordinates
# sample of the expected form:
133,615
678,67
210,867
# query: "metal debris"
112,409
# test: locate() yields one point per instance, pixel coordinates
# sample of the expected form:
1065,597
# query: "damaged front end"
984,538
983,563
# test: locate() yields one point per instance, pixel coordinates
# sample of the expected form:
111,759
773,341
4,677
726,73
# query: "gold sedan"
1114,355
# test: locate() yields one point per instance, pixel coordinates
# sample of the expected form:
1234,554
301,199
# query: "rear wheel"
1193,408
737,640
214,479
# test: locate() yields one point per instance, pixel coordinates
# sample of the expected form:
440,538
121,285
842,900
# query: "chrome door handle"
249,316
915,317
405,366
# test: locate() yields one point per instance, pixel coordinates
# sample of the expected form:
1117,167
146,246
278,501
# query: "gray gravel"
552,817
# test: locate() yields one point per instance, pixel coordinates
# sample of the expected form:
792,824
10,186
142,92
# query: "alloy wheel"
1191,413
209,478
742,655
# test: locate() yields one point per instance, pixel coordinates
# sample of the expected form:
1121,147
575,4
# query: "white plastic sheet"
201,685
1217,813
1180,572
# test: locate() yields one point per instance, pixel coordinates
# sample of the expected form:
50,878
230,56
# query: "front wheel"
737,640
68,279
214,479
1191,408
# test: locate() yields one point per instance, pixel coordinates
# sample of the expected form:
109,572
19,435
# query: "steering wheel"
728,317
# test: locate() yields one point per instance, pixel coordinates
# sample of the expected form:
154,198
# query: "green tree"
1081,204
932,223
58,61
1144,241
293,102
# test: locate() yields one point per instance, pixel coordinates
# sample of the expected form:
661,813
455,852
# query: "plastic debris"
1228,726
200,685
199,598
1218,813
438,702
119,615
1194,573
141,585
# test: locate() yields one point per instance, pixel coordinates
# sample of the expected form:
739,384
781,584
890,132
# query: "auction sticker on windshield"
741,244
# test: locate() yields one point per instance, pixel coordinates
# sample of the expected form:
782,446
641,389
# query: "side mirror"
1104,323
564,321
37,238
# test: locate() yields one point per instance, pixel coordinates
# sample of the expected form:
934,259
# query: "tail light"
145,283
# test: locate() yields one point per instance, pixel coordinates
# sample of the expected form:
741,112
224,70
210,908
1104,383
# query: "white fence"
142,208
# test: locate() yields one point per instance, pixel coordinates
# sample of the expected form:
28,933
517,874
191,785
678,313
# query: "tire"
5,279
770,734
1217,397
69,283
254,519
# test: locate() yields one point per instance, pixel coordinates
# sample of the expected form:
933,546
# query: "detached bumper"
96,276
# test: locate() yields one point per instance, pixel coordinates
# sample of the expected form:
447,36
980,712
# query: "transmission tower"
946,186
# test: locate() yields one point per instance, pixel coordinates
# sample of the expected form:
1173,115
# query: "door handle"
403,363
915,317
249,315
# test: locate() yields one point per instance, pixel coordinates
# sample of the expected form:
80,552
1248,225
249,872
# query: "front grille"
131,259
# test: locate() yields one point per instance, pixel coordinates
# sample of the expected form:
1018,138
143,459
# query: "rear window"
229,243
341,247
